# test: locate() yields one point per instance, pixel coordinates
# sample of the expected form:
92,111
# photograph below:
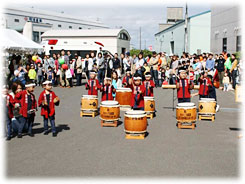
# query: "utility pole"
140,38
145,44
186,27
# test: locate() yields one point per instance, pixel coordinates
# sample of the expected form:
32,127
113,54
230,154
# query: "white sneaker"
217,108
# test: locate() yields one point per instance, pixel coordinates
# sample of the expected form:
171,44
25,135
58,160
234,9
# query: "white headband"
147,75
47,82
30,85
137,78
107,78
182,71
93,73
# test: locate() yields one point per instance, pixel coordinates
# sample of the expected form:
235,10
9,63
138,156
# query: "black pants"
234,75
182,100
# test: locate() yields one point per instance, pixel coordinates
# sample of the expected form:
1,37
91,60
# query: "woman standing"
116,82
233,70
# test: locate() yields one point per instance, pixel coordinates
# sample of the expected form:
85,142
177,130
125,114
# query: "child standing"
116,82
93,84
126,79
226,82
149,85
40,72
50,74
107,89
205,82
138,91
8,101
183,86
47,101
32,73
28,107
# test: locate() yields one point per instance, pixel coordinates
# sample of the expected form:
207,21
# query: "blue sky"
130,17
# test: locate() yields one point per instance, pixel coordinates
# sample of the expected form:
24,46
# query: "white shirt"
126,63
139,63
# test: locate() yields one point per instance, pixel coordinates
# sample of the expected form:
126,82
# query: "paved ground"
84,149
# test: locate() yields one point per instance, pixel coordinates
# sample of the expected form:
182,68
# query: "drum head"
124,90
89,96
148,98
185,104
135,112
207,99
109,103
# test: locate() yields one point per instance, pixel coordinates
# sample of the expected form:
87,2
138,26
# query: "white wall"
199,33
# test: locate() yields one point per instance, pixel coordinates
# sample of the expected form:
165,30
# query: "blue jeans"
9,126
16,124
52,122
101,75
78,77
155,76
39,80
25,122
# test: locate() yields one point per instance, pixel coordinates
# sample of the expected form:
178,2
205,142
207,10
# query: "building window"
224,45
16,20
238,43
59,25
79,28
123,36
70,27
35,36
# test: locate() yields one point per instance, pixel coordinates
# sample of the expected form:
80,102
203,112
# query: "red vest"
183,91
23,99
191,75
137,99
92,90
150,85
51,107
125,81
105,95
203,90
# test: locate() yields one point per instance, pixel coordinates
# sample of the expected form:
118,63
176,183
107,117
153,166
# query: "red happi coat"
151,85
51,107
21,98
104,95
203,90
140,97
184,89
93,91
125,81
191,75
9,105
216,76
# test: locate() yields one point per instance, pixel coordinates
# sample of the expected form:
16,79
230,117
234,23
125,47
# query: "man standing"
154,64
221,68
63,81
116,64
210,64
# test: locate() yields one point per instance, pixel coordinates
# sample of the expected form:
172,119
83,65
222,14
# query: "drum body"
207,106
123,96
216,84
186,112
149,104
109,110
135,121
89,102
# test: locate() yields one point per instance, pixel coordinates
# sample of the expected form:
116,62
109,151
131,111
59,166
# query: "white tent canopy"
11,39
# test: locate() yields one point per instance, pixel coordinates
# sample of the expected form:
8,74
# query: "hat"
30,85
47,82
5,86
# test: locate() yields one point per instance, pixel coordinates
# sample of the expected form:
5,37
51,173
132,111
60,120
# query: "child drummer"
107,89
205,82
93,84
126,79
28,107
183,86
149,85
47,101
138,91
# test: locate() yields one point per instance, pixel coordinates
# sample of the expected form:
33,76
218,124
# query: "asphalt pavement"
85,149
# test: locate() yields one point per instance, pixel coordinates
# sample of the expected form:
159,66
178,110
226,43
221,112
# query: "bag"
68,74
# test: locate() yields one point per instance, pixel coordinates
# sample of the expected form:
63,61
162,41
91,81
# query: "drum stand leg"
181,125
150,115
135,136
92,113
208,117
105,123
